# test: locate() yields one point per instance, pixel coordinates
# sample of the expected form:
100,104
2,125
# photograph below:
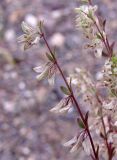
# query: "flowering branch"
87,21
94,31
104,39
109,50
73,98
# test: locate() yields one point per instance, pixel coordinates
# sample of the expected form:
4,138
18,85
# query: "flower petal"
26,28
42,75
38,69
51,80
86,146
21,38
63,106
70,142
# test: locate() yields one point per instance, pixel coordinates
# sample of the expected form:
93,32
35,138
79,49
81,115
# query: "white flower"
85,20
72,80
76,142
30,36
27,28
86,9
86,146
47,71
84,15
63,106
71,142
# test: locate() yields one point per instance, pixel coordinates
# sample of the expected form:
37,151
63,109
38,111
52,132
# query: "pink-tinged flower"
63,106
76,142
30,36
47,71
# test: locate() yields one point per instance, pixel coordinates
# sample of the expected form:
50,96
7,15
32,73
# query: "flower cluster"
87,90
77,142
63,106
109,82
84,85
103,110
46,71
85,21
30,36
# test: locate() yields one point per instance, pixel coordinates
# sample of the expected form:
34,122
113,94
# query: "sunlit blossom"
46,71
63,106
30,36
76,142
85,21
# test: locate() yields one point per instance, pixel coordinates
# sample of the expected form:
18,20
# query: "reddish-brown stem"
87,127
104,127
73,98
107,46
90,2
111,54
105,41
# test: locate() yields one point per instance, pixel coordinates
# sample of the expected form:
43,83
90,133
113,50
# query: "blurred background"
28,131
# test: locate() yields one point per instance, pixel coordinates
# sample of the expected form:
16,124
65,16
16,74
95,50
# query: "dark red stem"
73,97
90,2
104,127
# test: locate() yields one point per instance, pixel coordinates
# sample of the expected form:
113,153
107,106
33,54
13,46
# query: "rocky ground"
28,131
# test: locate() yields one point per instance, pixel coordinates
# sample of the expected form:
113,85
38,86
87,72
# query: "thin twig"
104,127
73,97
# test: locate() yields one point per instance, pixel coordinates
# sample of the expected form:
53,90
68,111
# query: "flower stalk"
104,128
73,98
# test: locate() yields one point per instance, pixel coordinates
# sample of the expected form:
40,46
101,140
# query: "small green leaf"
85,1
40,25
86,117
114,59
65,90
50,57
90,15
98,36
54,52
80,123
